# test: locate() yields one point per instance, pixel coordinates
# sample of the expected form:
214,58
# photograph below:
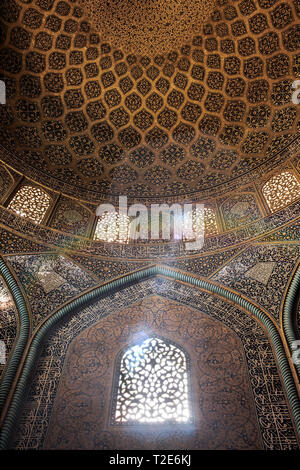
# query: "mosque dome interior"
176,103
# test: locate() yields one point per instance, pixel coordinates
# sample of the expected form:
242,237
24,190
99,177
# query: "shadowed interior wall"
238,397
222,400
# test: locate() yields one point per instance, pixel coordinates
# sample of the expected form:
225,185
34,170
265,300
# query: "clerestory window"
30,202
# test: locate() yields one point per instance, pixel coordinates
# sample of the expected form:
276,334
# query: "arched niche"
237,395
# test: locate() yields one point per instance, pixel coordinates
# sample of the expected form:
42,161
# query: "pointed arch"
103,291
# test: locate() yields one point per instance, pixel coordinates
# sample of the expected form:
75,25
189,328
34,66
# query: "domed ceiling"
147,27
194,98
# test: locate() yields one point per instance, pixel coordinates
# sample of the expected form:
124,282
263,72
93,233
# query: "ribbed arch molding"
24,329
133,278
288,313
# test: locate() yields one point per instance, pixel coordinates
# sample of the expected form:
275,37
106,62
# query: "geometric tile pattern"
86,115
49,281
261,273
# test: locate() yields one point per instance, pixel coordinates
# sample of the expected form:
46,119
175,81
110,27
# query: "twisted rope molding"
98,292
10,372
288,311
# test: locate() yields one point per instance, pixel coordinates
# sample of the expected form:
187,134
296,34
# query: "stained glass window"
30,202
281,190
152,384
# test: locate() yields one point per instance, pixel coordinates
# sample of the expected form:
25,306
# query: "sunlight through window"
30,202
153,384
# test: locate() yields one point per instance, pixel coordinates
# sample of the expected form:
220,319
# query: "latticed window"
112,227
30,202
281,190
210,222
152,384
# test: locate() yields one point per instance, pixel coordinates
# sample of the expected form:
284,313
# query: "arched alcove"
231,360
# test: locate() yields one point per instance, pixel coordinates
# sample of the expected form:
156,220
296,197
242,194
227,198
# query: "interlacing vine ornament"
30,202
153,385
281,190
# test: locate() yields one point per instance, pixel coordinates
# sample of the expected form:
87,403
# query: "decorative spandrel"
152,385
30,202
281,190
